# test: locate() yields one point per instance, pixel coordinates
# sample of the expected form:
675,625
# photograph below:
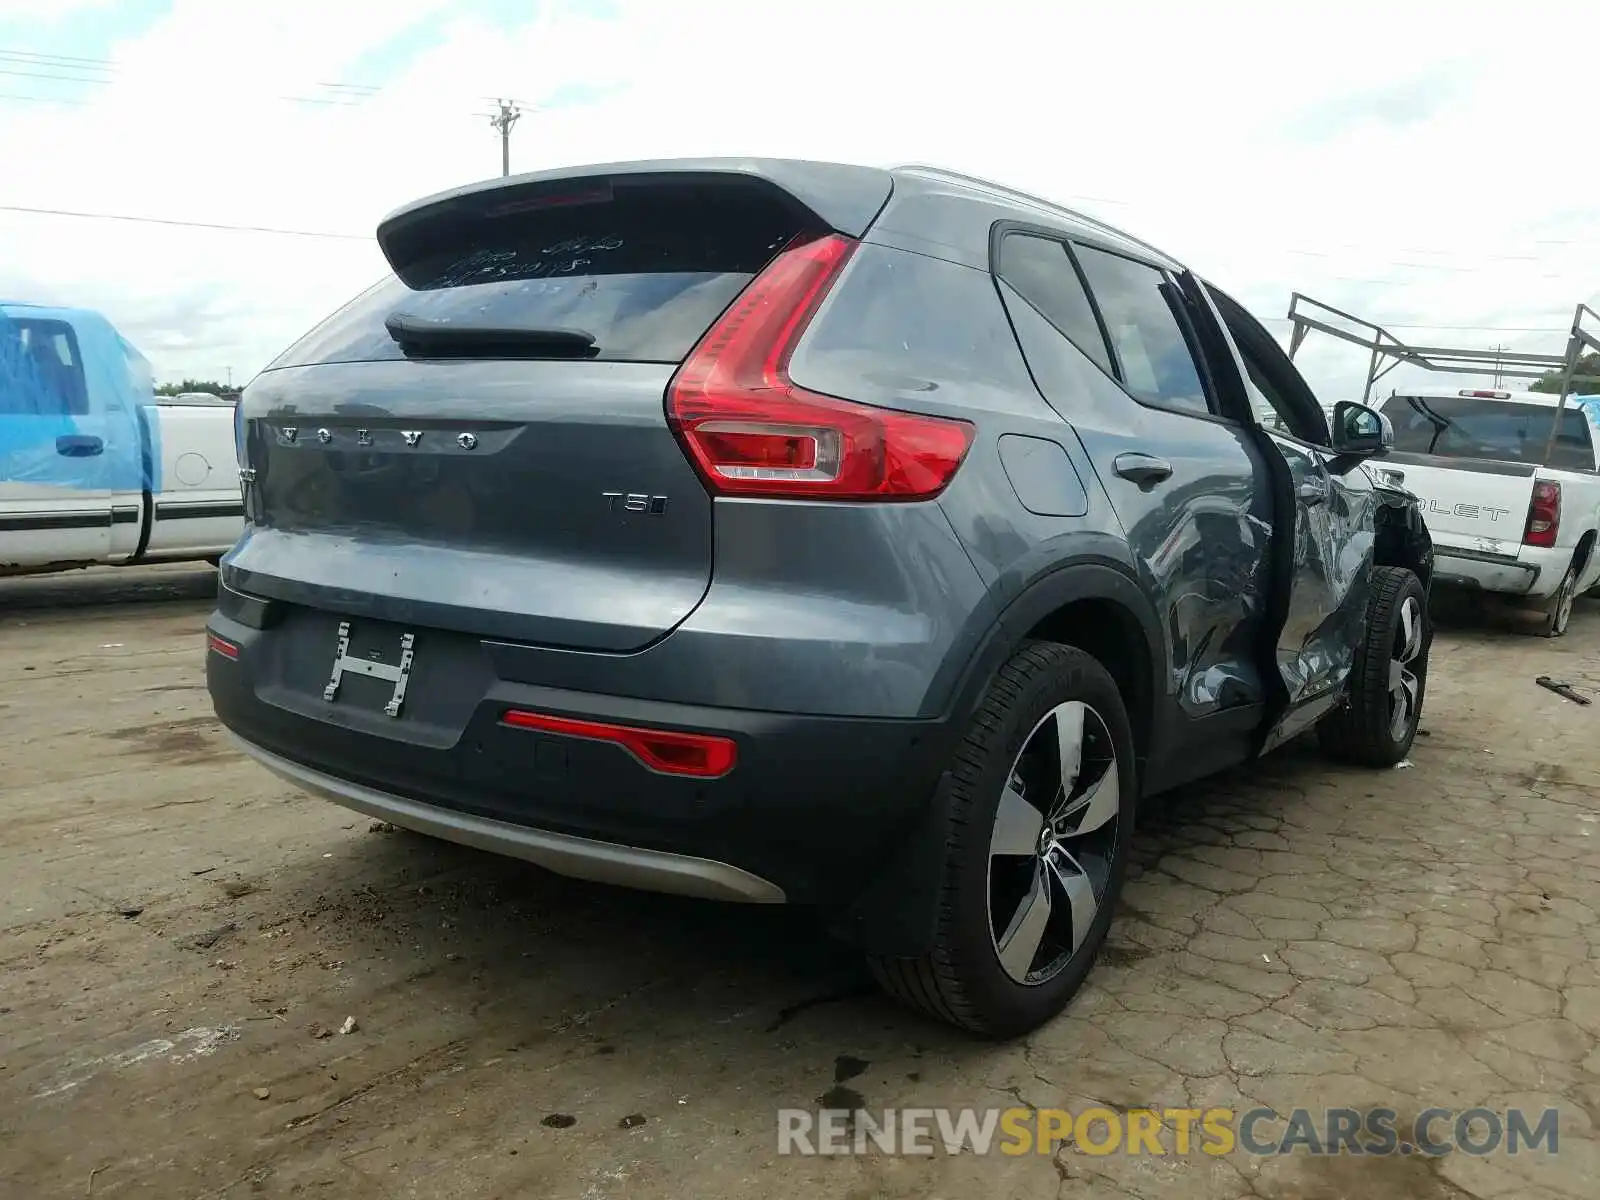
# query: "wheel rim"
1404,688
1054,839
1564,598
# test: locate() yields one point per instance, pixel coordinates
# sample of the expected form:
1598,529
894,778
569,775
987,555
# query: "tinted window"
1064,375
645,270
1139,306
40,371
1044,276
902,322
1478,427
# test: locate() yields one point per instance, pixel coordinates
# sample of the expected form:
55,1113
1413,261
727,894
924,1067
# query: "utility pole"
503,121
1498,377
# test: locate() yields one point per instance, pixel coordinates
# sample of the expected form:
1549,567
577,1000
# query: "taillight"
1544,514
701,755
222,646
751,431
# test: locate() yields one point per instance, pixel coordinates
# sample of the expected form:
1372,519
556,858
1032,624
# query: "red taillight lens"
222,646
702,755
751,431
1544,514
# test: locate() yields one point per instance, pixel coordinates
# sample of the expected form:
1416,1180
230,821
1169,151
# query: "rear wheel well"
1580,560
1113,636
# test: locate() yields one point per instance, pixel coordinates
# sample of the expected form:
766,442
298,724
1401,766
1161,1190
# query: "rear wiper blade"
488,341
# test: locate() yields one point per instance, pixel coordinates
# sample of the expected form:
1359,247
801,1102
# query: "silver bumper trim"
1483,556
581,858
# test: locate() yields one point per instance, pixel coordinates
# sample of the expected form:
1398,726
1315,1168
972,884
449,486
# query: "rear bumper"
812,812
1533,572
582,858
1483,572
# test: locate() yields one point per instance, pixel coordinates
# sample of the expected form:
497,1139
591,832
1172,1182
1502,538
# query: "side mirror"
1360,430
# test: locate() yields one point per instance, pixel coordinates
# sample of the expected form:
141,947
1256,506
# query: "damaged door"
1324,544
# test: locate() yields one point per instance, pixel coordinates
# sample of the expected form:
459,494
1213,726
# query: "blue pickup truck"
94,467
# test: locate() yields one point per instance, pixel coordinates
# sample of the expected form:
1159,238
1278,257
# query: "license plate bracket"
398,674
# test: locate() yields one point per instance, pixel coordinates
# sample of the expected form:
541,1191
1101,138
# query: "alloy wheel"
1404,688
1565,596
1053,843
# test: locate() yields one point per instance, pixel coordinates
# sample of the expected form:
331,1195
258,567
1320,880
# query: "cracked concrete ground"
181,937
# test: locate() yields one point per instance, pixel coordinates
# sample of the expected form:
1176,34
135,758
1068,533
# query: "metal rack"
1386,352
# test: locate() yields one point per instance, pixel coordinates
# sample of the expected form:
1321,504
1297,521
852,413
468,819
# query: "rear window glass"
900,323
644,271
1042,274
1478,427
40,371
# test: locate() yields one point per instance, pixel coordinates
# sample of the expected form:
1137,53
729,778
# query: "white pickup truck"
1503,519
94,468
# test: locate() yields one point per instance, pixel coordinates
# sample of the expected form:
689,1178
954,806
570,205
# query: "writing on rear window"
644,271
492,266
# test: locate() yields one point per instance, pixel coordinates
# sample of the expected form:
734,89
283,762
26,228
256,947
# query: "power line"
98,216
36,56
41,99
1466,328
110,66
77,69
1434,266
6,68
58,212
348,95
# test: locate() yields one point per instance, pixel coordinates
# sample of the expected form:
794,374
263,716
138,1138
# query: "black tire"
1365,728
962,979
1558,613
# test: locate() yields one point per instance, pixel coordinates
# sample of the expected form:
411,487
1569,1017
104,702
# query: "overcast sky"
1407,161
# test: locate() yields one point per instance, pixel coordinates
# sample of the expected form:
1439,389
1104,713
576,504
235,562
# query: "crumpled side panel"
73,395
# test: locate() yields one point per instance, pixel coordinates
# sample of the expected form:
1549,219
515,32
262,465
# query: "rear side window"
41,373
1480,427
1138,304
644,268
1042,274
899,322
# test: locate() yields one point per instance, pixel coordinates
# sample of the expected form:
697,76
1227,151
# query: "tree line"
195,385
1584,380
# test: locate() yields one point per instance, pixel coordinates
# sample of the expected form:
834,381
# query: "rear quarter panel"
910,331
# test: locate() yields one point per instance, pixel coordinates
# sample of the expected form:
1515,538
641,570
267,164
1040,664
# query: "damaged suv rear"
794,532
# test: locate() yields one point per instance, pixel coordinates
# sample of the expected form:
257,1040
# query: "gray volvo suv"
782,531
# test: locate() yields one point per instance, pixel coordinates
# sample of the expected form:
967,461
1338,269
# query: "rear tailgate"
1471,462
1474,505
480,443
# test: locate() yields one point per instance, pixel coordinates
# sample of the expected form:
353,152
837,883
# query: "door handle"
1314,490
1146,470
79,445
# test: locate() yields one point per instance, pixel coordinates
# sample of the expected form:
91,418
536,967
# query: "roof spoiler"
844,199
